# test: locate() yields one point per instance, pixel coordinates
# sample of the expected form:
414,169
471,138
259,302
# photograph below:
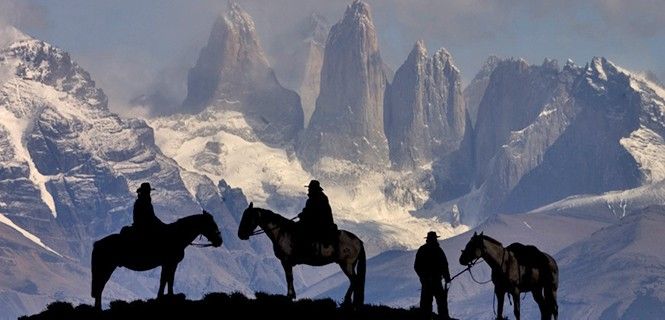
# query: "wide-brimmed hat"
314,184
431,235
145,187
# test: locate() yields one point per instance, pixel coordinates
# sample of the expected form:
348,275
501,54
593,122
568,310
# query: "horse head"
248,222
210,230
473,250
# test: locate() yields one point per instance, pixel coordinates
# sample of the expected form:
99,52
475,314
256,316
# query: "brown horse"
515,269
165,248
348,252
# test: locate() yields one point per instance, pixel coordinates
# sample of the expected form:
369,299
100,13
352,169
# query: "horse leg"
500,295
516,304
347,268
538,297
550,299
162,281
100,276
288,271
170,276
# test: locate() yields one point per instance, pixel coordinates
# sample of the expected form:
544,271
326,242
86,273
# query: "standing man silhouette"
144,216
431,266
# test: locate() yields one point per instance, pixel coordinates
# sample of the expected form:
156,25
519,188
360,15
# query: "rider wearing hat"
316,218
431,266
144,214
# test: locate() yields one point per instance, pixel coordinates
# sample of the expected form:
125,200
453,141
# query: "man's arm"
417,264
444,266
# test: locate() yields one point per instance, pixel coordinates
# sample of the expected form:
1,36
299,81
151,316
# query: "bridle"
203,245
474,262
263,230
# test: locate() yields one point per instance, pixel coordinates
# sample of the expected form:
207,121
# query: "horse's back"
528,254
531,256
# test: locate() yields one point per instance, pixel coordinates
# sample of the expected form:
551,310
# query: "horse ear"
481,232
475,234
251,205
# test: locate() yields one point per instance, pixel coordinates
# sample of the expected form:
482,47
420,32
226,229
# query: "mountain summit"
231,68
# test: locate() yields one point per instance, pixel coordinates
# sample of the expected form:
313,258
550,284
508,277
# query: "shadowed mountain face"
473,93
348,121
424,111
233,67
573,134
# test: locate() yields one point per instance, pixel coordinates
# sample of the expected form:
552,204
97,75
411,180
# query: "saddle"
315,241
527,255
136,235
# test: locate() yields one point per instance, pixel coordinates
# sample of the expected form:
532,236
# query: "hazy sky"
141,46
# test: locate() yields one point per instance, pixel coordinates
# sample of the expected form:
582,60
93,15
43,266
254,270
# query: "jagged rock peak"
358,11
424,112
238,19
488,66
419,51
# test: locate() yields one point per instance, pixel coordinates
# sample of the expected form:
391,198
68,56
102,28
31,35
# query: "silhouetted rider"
431,266
144,214
316,218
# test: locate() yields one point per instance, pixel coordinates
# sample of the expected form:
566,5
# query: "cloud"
22,14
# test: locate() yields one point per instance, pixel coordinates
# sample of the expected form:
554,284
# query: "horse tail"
361,270
552,286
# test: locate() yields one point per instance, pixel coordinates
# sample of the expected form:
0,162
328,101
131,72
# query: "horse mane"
189,217
490,239
274,217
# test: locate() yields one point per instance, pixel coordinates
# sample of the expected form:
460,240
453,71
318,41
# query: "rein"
468,268
262,230
201,245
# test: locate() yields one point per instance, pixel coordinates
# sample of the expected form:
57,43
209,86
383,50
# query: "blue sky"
134,47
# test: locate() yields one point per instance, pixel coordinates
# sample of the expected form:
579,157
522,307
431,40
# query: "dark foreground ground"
222,306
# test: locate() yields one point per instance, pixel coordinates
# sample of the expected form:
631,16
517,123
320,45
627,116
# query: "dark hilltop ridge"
222,306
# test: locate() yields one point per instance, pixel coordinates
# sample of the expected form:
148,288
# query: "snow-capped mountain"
579,148
233,67
68,171
347,123
221,143
545,133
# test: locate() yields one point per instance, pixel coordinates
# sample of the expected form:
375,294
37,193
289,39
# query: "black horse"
348,251
164,247
515,269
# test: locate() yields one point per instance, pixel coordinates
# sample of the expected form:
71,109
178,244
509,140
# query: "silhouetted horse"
515,269
348,251
164,247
